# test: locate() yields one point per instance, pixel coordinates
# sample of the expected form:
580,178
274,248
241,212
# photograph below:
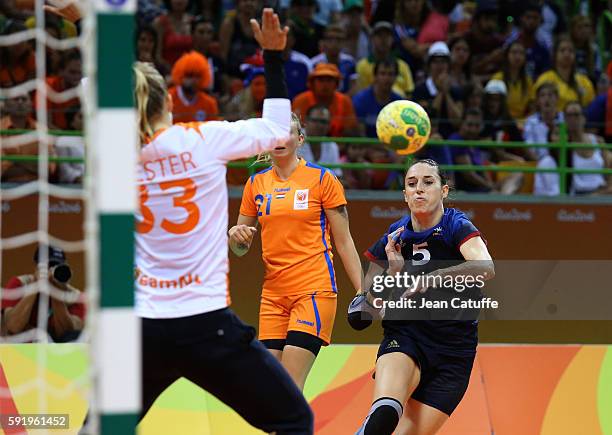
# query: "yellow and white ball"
403,126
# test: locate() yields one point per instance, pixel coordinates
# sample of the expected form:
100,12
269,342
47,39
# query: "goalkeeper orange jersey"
297,250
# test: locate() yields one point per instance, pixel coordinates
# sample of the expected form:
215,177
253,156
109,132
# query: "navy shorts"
444,375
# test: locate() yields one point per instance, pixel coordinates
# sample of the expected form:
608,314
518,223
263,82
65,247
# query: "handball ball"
403,126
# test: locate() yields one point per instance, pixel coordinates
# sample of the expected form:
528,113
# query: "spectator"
328,12
146,48
588,61
498,125
148,10
66,313
9,10
18,61
18,116
202,34
382,42
518,83
190,74
355,178
477,181
485,44
71,146
384,179
317,124
553,23
437,95
436,25
173,31
572,85
599,114
307,32
331,45
548,184
323,82
210,11
410,16
540,124
236,37
585,158
248,102
536,52
71,72
357,41
297,67
474,93
57,28
460,64
369,102
441,153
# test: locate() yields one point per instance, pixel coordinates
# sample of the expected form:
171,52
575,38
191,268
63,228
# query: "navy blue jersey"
424,252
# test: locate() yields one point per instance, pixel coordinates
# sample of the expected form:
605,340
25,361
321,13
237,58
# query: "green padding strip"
604,394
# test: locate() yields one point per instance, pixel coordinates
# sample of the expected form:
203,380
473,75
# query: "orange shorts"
312,313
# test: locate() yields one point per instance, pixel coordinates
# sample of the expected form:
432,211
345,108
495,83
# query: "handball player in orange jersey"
297,204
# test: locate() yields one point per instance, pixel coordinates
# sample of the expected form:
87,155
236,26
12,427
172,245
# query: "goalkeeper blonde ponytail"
150,94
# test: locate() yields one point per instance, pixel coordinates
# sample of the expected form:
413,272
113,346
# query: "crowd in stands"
512,70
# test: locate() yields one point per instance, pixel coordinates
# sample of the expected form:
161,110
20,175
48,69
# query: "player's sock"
383,417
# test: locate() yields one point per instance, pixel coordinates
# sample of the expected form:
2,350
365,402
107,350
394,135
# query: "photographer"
65,315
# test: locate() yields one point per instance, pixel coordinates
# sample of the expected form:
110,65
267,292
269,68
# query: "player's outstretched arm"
242,139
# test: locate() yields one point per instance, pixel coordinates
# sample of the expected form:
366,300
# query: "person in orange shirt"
323,82
190,74
17,60
71,72
298,204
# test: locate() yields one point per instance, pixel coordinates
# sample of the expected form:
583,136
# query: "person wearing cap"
248,102
537,54
382,44
519,84
21,297
331,46
369,102
436,94
498,124
323,83
357,41
191,74
307,32
484,41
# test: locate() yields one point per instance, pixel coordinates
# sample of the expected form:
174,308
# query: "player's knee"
383,418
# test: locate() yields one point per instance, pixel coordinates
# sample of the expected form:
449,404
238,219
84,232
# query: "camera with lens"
56,261
60,273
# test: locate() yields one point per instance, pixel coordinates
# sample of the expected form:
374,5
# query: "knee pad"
383,417
305,341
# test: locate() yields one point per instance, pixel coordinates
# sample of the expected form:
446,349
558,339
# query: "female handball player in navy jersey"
423,366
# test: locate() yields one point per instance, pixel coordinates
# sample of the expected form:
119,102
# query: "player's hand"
361,312
270,35
68,9
242,235
394,252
